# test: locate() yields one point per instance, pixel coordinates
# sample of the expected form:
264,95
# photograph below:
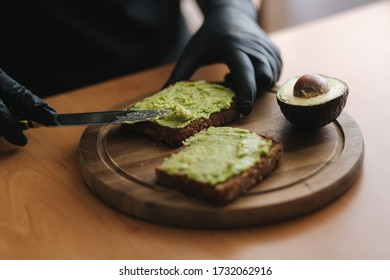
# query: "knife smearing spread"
101,118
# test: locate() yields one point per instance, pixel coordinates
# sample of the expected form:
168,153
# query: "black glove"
230,34
17,102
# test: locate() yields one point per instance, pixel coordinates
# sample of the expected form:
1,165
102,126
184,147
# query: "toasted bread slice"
174,137
221,193
195,105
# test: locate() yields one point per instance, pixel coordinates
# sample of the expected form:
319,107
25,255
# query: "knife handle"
26,124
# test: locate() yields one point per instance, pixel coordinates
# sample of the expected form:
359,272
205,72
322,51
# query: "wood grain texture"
316,168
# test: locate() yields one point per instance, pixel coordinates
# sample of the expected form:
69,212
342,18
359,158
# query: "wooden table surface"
47,212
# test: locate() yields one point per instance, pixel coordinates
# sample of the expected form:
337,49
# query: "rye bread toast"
224,192
174,136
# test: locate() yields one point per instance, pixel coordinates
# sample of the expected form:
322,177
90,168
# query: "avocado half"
312,101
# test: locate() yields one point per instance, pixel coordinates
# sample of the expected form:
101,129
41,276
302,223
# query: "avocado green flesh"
214,155
188,101
285,93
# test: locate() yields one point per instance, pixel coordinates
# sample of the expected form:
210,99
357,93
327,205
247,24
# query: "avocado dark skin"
308,114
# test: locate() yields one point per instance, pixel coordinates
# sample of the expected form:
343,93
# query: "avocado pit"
310,85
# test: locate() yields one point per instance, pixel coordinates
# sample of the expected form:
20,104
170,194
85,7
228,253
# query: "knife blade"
100,118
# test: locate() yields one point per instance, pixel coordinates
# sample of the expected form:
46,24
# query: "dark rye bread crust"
174,137
225,192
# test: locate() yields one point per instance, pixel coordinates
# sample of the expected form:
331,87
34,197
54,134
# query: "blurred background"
279,14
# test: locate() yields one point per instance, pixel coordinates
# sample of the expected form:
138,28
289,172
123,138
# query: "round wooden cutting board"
315,169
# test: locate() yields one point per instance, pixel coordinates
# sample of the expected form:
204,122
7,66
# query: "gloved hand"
230,34
17,102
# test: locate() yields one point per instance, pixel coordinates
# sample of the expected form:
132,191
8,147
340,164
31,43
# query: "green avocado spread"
214,155
188,101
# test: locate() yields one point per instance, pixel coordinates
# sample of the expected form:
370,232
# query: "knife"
100,118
